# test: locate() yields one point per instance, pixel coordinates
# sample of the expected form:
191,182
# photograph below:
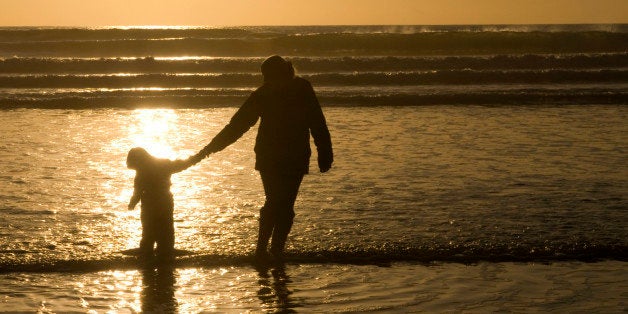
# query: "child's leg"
165,242
148,232
165,236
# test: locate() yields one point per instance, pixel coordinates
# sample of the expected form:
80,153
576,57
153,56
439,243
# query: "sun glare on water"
155,131
207,199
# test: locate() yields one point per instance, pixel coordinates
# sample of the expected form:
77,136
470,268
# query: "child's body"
152,188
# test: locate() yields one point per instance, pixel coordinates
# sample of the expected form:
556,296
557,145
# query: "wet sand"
563,287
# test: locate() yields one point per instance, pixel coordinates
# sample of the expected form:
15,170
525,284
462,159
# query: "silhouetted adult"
289,111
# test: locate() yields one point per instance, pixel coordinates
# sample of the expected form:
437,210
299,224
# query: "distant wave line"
311,64
471,77
181,101
334,44
323,90
102,33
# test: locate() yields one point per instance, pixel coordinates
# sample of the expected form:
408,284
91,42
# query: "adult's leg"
266,224
266,214
283,193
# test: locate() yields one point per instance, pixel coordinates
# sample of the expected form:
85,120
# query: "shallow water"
481,182
486,186
567,287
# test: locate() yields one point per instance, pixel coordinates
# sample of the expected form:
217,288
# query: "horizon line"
174,26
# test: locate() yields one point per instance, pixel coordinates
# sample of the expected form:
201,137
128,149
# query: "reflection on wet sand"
273,290
158,289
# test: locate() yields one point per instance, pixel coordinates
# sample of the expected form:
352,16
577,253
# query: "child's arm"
137,193
182,164
134,200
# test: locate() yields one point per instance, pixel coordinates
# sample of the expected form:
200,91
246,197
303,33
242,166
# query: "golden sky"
313,12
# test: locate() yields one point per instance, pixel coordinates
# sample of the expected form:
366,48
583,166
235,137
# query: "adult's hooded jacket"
288,113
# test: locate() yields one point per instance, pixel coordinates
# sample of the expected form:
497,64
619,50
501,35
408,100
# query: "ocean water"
349,65
478,169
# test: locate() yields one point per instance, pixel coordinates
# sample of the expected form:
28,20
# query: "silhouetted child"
152,188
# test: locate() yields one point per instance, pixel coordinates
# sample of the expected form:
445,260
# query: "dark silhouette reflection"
158,290
273,291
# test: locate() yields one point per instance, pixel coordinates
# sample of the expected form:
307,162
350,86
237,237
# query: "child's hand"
134,200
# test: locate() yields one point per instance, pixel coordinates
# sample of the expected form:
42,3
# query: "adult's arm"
242,121
319,130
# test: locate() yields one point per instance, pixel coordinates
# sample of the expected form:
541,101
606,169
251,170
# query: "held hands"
196,158
193,160
206,151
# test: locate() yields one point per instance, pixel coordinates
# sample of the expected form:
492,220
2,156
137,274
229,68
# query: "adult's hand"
194,159
324,162
206,151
